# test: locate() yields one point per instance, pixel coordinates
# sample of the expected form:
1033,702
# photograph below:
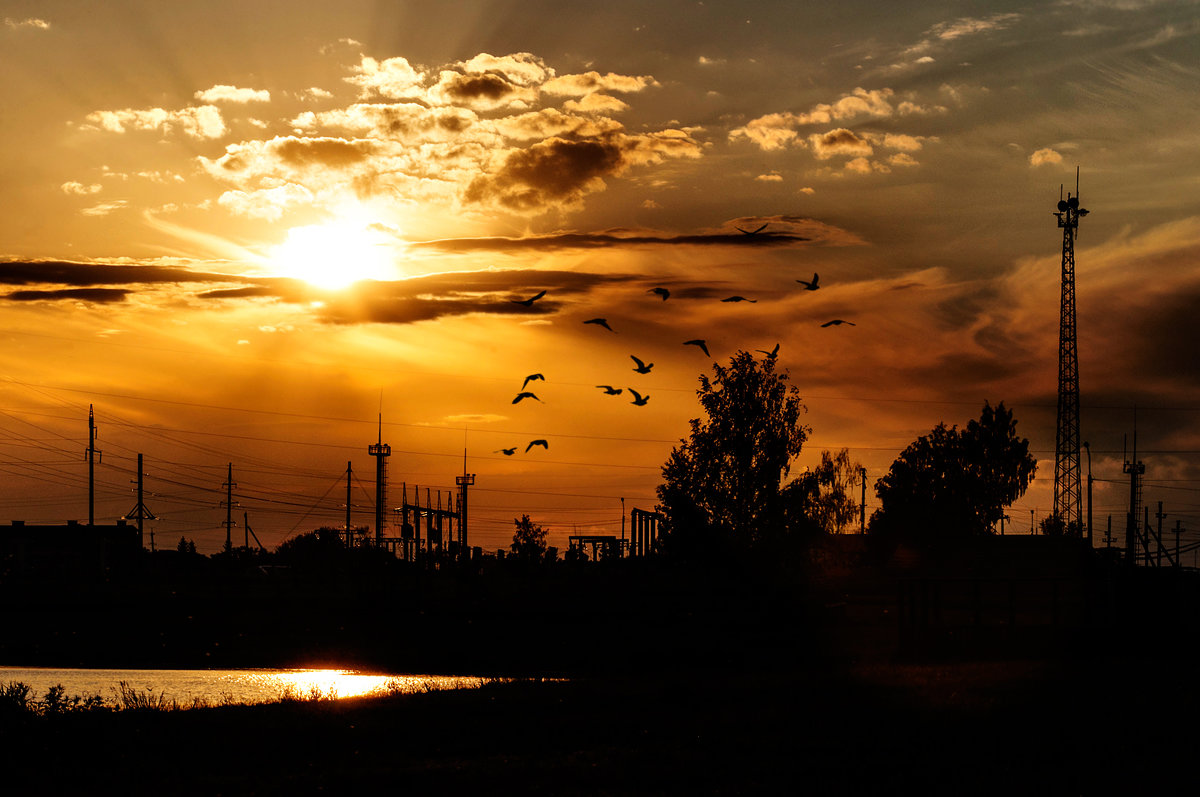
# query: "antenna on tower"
1067,494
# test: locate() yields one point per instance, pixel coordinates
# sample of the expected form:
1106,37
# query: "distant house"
73,548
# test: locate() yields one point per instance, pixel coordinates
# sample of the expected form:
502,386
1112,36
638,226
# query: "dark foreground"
1015,727
1007,676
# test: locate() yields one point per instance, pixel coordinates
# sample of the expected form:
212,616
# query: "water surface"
215,687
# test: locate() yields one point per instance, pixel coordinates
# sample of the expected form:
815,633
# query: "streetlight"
1088,449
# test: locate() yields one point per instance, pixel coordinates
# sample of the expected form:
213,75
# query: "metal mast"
381,451
1067,495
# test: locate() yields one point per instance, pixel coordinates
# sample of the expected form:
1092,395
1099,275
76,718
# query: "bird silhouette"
528,302
600,322
740,299
521,396
532,378
752,232
642,368
638,399
663,292
508,452
700,343
838,322
811,286
541,443
770,353
610,390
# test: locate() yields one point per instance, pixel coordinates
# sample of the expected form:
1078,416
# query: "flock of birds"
641,367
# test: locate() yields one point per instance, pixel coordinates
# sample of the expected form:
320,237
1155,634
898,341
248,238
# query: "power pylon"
1067,495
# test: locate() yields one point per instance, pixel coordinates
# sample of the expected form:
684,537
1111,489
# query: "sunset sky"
243,230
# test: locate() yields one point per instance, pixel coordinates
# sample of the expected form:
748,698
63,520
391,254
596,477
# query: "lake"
229,686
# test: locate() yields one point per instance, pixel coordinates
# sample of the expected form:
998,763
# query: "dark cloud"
554,171
333,152
614,238
92,295
428,298
471,87
62,272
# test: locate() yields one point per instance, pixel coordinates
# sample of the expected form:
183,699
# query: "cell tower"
1067,495
381,451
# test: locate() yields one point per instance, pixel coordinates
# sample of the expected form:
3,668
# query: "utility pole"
862,507
349,528
1178,531
1088,449
92,457
622,526
1135,469
1159,514
140,512
1066,450
229,485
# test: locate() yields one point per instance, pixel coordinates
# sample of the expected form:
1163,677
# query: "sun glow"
335,254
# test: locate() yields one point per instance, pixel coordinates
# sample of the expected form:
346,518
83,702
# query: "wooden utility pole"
140,512
229,485
92,455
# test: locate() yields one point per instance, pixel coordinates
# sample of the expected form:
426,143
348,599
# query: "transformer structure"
1067,495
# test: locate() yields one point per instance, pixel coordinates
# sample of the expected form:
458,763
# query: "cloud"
315,93
839,141
586,83
105,208
970,26
597,103
523,69
223,93
27,23
776,131
394,78
65,273
485,92
559,172
88,295
770,177
203,121
79,189
782,231
1045,156
266,203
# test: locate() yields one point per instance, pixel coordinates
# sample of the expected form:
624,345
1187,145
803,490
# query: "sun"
335,254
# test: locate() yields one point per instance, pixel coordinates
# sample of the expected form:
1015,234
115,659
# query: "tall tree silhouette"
725,482
954,483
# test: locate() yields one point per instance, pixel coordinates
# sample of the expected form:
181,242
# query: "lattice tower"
1067,494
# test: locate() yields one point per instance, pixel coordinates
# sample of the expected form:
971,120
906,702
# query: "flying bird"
541,443
638,399
838,322
600,322
700,343
610,390
740,299
811,286
663,292
532,378
752,232
521,396
528,302
508,452
642,368
770,353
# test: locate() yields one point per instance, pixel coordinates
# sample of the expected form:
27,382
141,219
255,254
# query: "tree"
951,483
831,503
529,540
724,483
